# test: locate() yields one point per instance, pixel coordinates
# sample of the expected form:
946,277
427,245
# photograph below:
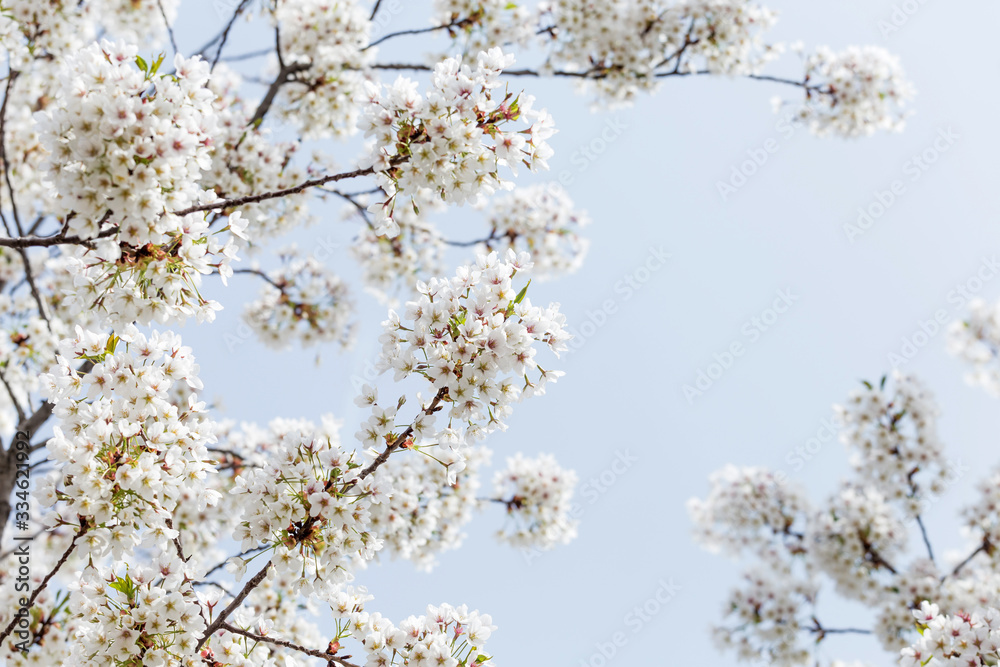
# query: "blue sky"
620,416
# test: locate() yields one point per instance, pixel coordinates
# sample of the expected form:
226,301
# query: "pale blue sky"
655,188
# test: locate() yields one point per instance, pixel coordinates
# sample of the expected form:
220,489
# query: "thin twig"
170,28
927,542
225,32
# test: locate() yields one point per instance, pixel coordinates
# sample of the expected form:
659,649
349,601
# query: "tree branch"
264,196
225,32
234,605
287,644
434,406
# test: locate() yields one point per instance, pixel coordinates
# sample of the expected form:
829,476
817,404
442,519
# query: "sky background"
655,187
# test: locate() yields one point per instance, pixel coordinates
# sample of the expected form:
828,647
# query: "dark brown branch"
986,547
821,632
927,541
264,196
225,32
234,605
284,76
170,28
287,644
416,31
59,239
434,406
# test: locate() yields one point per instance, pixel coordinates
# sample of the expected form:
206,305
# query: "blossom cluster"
893,440
135,21
429,504
976,340
326,41
473,338
450,144
542,221
618,48
445,635
857,539
854,92
125,452
126,148
538,494
151,613
768,619
309,502
747,508
961,640
302,302
479,25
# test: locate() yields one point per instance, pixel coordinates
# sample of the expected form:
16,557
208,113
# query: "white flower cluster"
855,92
123,155
962,640
33,31
538,494
150,613
124,451
977,341
540,220
114,147
619,46
309,503
479,25
748,508
302,302
893,441
327,38
392,266
856,535
135,21
768,618
473,338
429,504
450,144
445,636
858,539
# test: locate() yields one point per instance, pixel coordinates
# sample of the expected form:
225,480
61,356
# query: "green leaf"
156,65
520,295
142,64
